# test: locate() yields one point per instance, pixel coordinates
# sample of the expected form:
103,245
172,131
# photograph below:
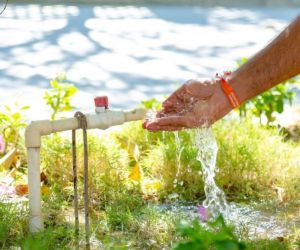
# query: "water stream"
215,201
247,219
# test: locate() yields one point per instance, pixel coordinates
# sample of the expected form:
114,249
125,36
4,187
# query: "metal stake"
83,125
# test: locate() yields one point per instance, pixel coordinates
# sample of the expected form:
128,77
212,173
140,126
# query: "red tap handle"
101,101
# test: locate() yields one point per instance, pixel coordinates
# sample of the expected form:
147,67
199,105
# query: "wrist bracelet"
228,90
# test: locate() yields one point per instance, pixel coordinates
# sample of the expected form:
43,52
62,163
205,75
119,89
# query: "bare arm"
203,102
279,61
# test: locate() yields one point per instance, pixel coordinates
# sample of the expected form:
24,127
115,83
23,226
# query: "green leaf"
54,83
25,108
59,96
189,246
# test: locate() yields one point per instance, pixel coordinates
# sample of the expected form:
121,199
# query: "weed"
12,121
59,97
267,104
216,235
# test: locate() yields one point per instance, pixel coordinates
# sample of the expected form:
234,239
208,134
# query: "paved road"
129,53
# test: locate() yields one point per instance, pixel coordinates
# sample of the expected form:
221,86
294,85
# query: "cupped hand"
196,103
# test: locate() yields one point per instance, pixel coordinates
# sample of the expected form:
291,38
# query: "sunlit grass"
255,163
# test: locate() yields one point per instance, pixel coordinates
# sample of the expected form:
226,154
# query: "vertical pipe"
34,186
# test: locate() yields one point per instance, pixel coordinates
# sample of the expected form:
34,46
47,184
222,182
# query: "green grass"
254,162
10,231
14,231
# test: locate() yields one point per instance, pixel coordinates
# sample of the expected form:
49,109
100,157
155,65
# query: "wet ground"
255,221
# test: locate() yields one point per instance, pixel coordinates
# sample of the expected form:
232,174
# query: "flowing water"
248,220
215,201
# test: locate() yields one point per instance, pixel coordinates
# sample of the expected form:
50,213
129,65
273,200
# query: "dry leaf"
21,189
136,173
44,178
45,190
7,159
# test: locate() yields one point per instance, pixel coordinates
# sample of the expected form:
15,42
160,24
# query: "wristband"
228,90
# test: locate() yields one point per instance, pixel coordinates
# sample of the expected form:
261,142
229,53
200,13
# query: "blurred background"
128,50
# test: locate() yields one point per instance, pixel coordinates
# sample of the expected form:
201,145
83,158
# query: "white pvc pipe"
33,135
34,186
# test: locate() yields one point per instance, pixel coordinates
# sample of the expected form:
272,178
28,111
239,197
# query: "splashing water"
215,201
150,116
258,224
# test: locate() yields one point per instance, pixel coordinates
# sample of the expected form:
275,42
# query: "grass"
14,231
255,163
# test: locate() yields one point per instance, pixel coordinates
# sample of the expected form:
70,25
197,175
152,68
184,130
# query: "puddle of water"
249,222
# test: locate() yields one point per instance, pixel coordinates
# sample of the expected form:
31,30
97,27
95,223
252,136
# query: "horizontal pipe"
101,120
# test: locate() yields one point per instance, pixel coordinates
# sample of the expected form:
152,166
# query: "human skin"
203,102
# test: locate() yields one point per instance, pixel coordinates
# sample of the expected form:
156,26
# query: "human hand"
196,103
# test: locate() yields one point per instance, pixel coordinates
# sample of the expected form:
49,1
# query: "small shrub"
268,103
254,162
216,235
12,121
13,226
59,237
59,97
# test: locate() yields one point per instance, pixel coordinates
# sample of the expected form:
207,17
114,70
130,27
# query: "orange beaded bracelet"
228,90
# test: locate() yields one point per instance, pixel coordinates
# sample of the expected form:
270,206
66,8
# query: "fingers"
172,123
174,97
178,121
165,128
157,127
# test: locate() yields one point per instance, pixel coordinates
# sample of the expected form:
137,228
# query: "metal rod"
75,183
86,185
83,124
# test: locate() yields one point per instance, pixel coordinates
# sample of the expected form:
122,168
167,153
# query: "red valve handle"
101,101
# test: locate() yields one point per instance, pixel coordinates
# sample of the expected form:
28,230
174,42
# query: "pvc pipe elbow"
34,131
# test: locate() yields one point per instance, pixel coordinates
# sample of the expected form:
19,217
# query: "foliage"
216,235
267,244
152,104
14,231
268,103
12,121
52,238
10,231
59,97
255,162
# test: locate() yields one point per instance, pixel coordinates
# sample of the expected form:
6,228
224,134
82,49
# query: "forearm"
279,61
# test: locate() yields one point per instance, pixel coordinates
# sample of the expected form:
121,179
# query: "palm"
194,104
